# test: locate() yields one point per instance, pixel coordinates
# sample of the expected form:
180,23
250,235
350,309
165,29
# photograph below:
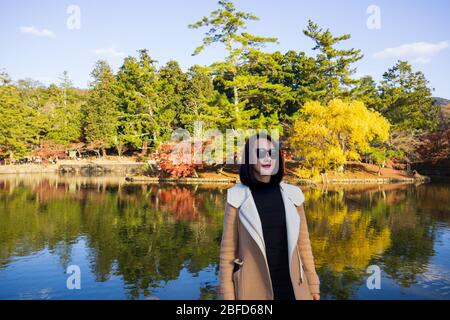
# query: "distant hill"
440,101
444,104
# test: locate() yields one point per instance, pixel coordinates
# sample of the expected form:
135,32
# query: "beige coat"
243,245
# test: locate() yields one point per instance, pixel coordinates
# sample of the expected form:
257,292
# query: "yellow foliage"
328,136
348,239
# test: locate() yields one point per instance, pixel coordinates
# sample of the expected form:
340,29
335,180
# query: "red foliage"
50,150
287,155
434,146
181,202
178,159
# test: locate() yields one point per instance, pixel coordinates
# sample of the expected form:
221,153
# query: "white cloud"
109,52
417,52
36,32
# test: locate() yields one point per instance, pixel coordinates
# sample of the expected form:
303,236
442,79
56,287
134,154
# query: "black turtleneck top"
270,205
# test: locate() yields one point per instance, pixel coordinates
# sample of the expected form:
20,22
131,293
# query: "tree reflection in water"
148,234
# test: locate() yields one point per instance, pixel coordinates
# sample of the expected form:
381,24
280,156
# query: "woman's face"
265,156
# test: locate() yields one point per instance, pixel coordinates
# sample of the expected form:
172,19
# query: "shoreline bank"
133,173
143,179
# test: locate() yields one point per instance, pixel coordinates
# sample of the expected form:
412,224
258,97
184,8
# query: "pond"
148,241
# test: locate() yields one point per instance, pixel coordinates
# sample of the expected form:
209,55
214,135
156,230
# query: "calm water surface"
162,242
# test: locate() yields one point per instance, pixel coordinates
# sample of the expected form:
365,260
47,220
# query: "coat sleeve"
228,253
304,245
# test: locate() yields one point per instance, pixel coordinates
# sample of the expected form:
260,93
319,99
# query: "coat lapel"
292,220
249,217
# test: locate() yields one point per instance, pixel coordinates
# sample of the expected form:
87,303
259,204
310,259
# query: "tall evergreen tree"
18,129
172,84
367,92
101,114
407,100
226,25
333,68
65,84
138,100
200,101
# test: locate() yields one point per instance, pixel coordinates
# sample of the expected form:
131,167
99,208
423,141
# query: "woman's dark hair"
246,171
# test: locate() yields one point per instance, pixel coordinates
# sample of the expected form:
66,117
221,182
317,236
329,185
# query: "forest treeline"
326,114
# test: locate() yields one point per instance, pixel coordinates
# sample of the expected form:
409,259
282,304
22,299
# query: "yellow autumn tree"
327,136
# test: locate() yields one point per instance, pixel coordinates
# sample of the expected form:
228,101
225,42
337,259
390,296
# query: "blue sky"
36,42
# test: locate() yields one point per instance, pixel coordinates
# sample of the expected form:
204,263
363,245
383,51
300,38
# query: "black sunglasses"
261,153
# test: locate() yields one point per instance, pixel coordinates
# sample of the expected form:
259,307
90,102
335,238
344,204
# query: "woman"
265,250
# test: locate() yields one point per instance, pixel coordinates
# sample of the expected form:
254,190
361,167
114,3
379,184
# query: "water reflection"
392,227
137,241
